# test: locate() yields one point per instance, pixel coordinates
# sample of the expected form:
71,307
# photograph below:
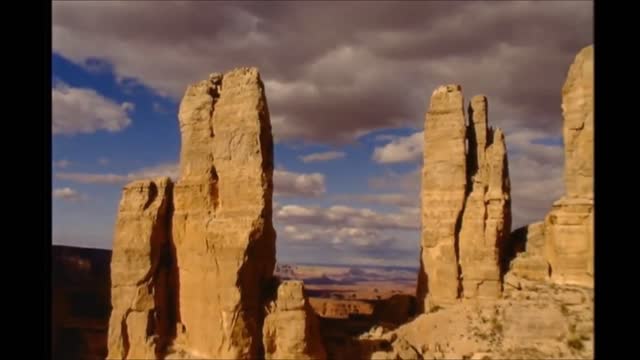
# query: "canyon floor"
365,312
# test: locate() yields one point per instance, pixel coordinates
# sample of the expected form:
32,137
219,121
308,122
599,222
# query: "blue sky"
347,107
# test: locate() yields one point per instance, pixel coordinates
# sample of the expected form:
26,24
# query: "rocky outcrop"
222,226
444,184
541,321
291,330
561,248
486,221
466,206
529,262
139,322
569,225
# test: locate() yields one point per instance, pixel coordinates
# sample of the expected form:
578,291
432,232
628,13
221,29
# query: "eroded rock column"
466,204
292,330
569,225
138,326
444,183
487,213
222,228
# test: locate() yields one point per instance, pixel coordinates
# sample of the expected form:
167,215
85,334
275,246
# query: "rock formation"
222,226
561,248
444,184
291,330
487,213
138,326
209,239
529,263
569,225
466,207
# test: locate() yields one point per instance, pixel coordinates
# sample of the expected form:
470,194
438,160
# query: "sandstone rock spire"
569,225
444,184
466,206
222,226
139,322
487,214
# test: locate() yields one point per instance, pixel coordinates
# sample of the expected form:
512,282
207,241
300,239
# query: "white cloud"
83,110
170,169
345,216
401,149
103,161
67,194
62,164
322,156
392,199
288,183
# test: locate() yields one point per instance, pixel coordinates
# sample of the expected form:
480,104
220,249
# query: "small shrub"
435,308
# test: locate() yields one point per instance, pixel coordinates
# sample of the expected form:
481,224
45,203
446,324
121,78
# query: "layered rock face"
569,225
291,330
487,214
466,207
561,248
191,261
444,184
222,227
139,322
530,263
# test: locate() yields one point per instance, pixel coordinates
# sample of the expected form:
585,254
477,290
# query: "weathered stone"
139,323
569,225
569,241
222,226
530,263
466,205
444,182
577,111
291,330
487,213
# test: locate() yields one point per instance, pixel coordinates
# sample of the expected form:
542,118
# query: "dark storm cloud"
334,71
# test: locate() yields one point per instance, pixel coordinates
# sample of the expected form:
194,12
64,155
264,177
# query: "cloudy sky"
348,84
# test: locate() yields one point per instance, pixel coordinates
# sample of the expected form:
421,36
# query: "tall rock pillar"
487,214
444,183
139,322
466,205
569,225
222,227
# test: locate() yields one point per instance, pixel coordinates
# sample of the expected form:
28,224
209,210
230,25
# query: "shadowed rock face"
80,302
222,227
487,214
466,206
139,323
